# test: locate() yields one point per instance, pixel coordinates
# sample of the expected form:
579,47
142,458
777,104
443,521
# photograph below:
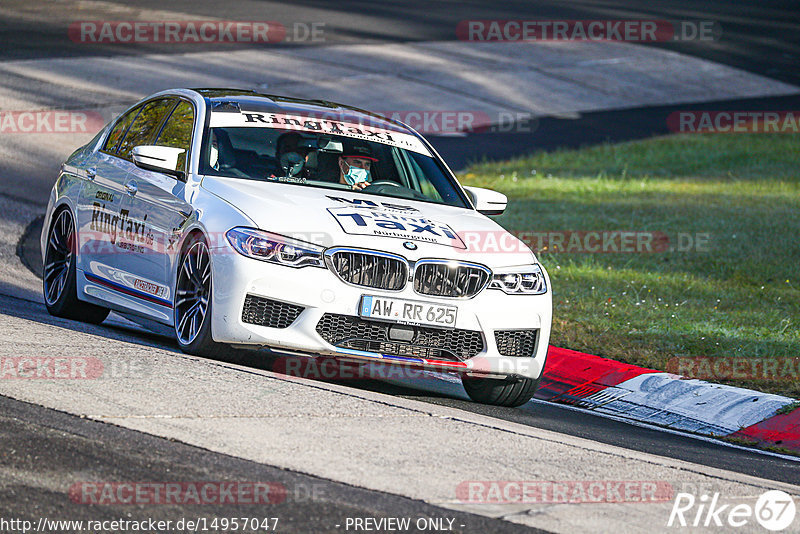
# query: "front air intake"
267,312
517,343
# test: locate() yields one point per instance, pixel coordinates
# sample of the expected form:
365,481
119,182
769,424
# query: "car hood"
333,217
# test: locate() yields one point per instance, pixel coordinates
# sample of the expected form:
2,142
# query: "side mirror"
487,201
158,158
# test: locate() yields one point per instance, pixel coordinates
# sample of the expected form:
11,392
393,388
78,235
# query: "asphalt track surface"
46,451
43,450
541,415
759,37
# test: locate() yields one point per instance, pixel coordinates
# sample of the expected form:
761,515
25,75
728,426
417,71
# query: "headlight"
521,281
274,248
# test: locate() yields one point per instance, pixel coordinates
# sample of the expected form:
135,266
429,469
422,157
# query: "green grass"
739,295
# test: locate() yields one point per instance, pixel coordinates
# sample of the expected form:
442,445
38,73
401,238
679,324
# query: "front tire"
192,309
500,392
59,285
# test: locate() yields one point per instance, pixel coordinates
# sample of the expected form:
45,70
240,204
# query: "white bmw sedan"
307,227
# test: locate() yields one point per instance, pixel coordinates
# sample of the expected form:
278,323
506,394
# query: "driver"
355,165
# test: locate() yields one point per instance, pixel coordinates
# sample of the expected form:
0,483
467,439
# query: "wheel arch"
65,192
180,249
56,207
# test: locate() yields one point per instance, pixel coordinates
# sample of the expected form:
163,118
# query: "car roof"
246,100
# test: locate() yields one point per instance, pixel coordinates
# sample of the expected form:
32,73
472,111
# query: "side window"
119,130
425,185
145,125
177,131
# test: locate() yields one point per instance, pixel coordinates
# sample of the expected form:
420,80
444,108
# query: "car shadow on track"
146,333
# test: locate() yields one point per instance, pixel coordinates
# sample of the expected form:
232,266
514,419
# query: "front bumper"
320,292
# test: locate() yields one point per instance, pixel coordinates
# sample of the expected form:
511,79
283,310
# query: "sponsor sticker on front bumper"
407,311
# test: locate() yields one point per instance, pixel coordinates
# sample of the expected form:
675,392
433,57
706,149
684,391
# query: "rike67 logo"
774,510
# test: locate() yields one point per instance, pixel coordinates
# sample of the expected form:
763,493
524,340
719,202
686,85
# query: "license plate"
407,311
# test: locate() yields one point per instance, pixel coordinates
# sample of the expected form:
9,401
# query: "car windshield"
323,159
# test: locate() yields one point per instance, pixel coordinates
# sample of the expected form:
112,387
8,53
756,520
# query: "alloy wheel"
59,257
192,292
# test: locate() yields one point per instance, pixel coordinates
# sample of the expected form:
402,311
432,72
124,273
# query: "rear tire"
192,309
500,392
59,284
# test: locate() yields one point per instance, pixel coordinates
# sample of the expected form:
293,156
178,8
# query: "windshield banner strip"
319,125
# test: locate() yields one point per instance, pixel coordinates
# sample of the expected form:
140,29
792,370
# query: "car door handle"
91,172
131,188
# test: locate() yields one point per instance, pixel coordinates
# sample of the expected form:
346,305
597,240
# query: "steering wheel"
292,163
402,191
